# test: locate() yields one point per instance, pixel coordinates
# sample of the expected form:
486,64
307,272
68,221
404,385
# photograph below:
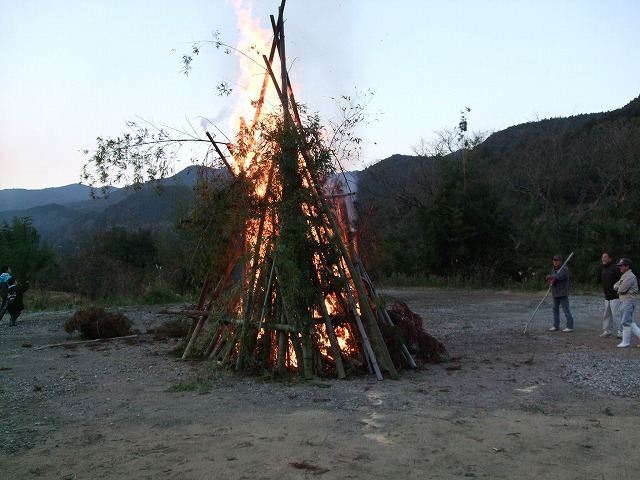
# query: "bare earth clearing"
541,405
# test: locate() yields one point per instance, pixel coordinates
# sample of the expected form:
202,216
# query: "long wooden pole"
333,340
524,330
384,314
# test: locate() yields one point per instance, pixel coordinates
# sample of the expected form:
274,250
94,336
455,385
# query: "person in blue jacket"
4,278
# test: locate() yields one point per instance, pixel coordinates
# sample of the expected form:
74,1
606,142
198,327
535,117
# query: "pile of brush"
408,328
95,322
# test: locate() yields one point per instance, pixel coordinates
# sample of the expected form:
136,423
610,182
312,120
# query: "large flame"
253,45
254,42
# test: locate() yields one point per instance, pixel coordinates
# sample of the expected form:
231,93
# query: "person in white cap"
627,288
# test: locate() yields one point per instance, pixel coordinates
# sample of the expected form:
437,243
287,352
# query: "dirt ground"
540,405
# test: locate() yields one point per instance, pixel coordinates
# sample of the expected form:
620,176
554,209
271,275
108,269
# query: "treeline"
117,264
497,211
478,212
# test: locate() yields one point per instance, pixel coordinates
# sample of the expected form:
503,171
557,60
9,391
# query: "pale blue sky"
73,70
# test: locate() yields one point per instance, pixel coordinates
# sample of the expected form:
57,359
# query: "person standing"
627,288
611,318
559,281
4,278
15,299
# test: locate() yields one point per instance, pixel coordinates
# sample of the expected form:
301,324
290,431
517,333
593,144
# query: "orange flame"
253,43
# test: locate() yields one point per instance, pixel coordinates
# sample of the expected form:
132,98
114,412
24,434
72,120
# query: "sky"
75,70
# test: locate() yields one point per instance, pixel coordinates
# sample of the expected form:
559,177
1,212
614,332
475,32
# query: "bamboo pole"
194,336
247,311
384,314
307,355
369,352
267,294
233,254
294,338
230,346
368,314
220,154
282,351
215,338
333,340
80,342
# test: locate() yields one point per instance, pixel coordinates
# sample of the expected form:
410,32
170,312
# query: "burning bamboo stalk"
220,154
335,347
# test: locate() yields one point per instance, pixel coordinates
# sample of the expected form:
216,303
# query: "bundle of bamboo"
292,294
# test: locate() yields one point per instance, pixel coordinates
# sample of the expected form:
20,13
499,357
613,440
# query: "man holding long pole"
524,330
559,281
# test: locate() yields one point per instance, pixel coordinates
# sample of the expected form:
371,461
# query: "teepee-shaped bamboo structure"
293,293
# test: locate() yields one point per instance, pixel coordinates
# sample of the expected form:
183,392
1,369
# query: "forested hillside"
499,211
490,214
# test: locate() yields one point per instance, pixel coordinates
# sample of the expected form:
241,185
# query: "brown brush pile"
94,323
408,327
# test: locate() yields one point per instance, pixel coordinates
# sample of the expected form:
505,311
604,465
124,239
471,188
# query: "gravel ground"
562,404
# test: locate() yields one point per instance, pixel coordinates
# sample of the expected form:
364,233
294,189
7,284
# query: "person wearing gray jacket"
627,288
559,281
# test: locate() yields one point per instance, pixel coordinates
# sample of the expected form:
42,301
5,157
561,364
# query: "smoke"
209,124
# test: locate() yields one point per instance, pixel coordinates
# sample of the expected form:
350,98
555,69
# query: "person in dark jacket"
559,280
15,299
611,316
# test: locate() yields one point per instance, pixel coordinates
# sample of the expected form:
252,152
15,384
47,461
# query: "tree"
133,248
113,264
20,249
465,231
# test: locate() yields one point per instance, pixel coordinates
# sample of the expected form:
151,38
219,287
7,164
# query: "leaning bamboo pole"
385,315
333,340
233,254
254,267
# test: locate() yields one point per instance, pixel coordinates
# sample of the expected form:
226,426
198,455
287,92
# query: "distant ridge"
16,199
22,199
64,215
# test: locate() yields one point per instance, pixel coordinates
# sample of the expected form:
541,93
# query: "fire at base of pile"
406,334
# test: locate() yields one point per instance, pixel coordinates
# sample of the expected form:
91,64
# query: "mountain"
576,155
62,215
23,199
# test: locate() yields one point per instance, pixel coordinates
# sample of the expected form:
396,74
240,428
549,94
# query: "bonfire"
292,294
